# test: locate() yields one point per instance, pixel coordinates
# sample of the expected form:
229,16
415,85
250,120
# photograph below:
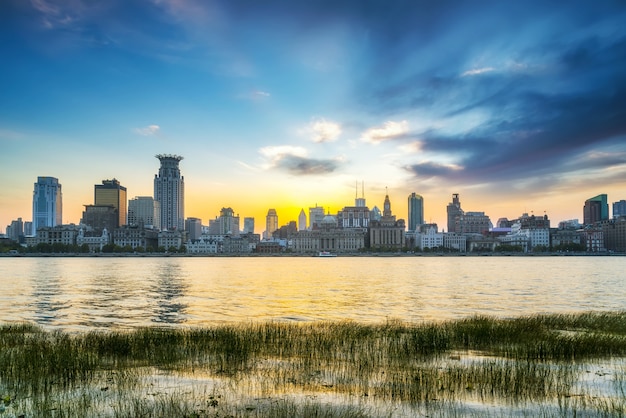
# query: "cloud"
477,71
426,170
322,130
295,161
388,131
150,130
260,93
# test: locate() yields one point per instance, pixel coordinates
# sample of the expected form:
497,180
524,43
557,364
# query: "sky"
518,106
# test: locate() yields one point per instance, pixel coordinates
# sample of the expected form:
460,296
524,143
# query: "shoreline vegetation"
540,365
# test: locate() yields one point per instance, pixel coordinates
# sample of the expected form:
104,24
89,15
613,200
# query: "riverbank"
367,254
543,365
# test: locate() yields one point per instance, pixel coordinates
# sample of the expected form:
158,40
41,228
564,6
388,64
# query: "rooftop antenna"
356,189
363,189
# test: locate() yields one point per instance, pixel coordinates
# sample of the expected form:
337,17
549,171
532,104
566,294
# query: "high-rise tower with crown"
169,191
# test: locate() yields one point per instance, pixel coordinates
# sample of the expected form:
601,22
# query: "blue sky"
517,106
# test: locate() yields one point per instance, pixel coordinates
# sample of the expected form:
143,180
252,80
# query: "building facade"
169,191
193,226
112,193
248,225
100,217
596,209
47,203
387,233
416,211
144,211
136,237
329,236
271,223
619,209
453,211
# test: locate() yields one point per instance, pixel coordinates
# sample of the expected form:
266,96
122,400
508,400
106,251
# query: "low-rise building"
173,238
95,242
136,237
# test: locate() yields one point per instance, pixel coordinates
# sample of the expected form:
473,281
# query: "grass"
531,366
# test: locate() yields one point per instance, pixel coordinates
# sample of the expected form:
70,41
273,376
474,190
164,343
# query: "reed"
533,363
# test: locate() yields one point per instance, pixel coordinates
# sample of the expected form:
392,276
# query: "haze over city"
516,106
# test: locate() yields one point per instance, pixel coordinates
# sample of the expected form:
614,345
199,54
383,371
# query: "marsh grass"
536,363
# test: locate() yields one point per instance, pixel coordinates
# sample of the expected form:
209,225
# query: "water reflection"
102,292
49,301
170,292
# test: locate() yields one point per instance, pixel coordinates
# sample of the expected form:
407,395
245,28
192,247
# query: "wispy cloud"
150,130
477,71
388,131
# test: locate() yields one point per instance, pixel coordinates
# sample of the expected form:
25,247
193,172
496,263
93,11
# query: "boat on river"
326,254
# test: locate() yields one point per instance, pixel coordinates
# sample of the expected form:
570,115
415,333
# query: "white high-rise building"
47,203
169,191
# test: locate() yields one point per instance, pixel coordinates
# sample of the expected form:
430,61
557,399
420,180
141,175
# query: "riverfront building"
112,193
387,233
169,190
47,203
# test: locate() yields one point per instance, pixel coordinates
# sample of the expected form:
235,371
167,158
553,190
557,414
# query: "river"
87,293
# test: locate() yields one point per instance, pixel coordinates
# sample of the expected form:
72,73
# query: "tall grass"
531,362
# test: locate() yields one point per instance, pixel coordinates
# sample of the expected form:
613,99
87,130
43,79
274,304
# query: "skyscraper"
248,225
416,211
302,220
271,223
169,191
454,210
619,208
596,209
111,193
47,203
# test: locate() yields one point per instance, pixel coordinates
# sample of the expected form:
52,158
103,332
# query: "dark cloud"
302,166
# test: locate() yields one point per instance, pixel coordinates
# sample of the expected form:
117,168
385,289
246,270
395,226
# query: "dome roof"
329,219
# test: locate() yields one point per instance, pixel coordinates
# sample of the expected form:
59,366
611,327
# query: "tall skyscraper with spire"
169,191
416,211
47,203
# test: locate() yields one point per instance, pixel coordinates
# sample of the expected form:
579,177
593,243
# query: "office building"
169,191
100,217
112,193
47,203
271,223
248,225
619,209
596,209
144,211
316,214
416,211
193,226
454,210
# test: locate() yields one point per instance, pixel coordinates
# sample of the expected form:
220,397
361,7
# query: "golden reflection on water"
102,292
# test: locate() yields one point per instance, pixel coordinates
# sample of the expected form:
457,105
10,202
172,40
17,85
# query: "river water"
86,293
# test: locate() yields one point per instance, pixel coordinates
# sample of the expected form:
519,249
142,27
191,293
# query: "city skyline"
516,107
